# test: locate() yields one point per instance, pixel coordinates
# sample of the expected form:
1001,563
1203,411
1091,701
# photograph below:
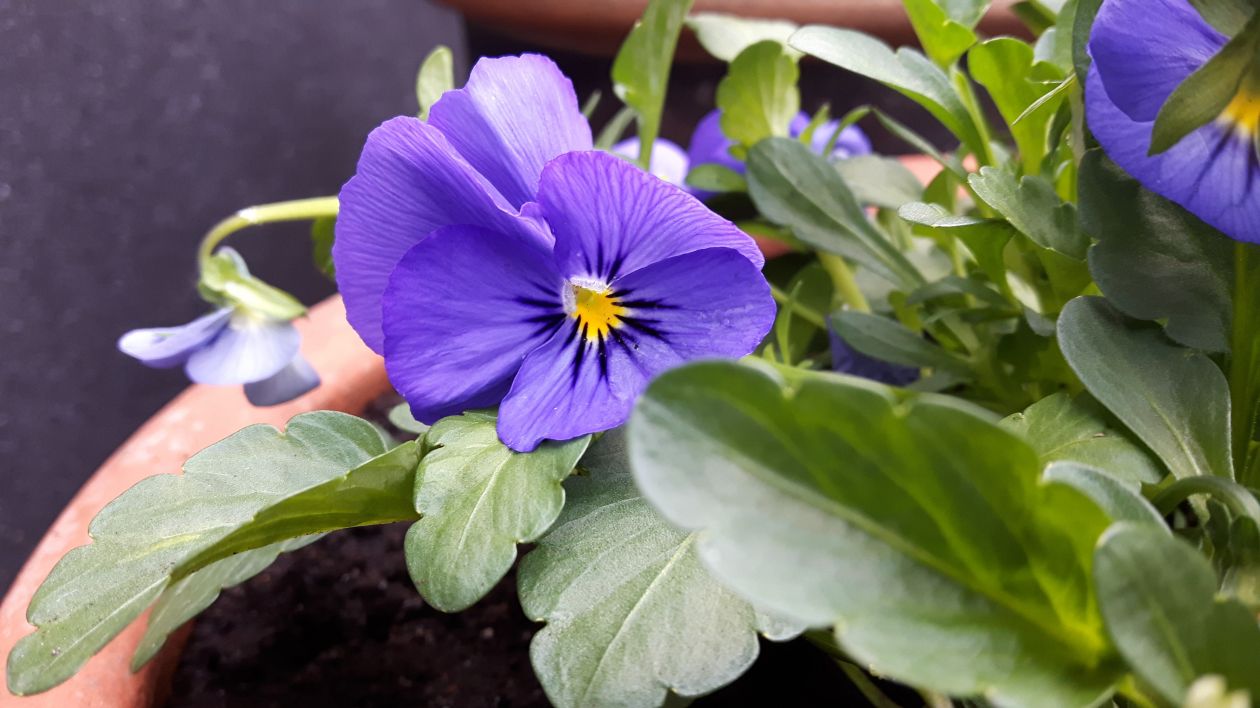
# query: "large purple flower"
1142,50
494,259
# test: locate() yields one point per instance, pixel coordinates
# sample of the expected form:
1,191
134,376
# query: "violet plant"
992,438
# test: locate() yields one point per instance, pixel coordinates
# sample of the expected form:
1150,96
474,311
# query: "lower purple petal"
290,382
247,350
462,310
164,347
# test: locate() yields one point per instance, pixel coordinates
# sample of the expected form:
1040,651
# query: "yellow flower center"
596,310
1243,113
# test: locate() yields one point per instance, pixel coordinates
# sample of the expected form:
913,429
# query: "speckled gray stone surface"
128,127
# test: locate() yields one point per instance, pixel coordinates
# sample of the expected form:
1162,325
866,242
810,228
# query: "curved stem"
1237,498
847,290
806,313
296,210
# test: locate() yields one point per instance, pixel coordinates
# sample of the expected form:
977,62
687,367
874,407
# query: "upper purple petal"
709,145
409,182
164,347
248,349
462,310
611,218
1144,48
287,384
669,161
708,303
513,116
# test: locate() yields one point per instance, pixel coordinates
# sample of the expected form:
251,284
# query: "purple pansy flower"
709,145
494,258
230,346
1142,50
669,161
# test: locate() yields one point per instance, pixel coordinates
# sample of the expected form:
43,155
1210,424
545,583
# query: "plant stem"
1239,500
296,210
847,290
868,688
1244,360
806,313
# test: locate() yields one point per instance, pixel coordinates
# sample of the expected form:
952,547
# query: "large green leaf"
258,487
883,182
905,71
1157,595
796,188
631,612
1063,428
478,499
1154,260
758,96
1033,207
1121,501
725,36
1227,16
1175,400
888,340
912,523
640,73
1005,67
943,38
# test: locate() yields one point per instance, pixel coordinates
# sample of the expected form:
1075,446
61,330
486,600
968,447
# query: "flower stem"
804,312
1244,360
847,290
1239,500
296,210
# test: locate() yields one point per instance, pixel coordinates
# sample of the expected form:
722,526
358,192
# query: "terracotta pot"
597,26
353,376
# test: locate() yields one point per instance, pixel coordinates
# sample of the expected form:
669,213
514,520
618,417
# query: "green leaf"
1154,260
1203,96
1005,67
913,523
631,612
758,96
889,340
1118,499
1227,16
436,77
1175,400
985,238
1082,23
1063,428
905,71
255,488
616,126
1157,595
400,417
640,73
944,39
323,233
1033,207
712,177
793,187
478,499
880,181
967,13
725,36
186,598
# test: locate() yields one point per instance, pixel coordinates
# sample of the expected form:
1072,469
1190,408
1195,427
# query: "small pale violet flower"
493,258
1142,50
669,161
709,145
230,346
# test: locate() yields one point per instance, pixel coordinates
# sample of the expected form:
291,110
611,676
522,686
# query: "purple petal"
709,145
1145,48
669,161
164,347
462,310
611,218
513,116
1213,172
708,303
292,381
248,349
409,182
851,142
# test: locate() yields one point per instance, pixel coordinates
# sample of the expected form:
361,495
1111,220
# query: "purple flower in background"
230,346
669,161
847,360
710,146
1142,50
494,259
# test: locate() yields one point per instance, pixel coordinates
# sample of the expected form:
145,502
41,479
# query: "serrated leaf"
251,488
725,36
796,188
1005,67
1157,596
640,73
914,524
1032,206
905,71
943,38
436,77
758,96
478,499
631,613
1062,428
1175,400
1154,260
